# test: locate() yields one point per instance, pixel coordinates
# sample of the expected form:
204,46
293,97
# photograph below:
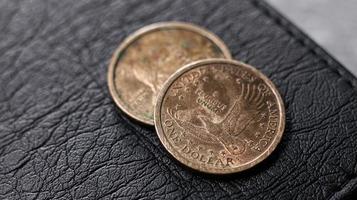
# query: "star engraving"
261,125
257,134
263,115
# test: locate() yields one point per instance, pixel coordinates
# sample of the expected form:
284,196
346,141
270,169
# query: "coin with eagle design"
219,116
145,60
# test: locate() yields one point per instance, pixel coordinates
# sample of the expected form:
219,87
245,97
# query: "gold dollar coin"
219,116
144,61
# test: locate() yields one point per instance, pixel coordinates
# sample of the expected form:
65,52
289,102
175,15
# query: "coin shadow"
243,175
133,122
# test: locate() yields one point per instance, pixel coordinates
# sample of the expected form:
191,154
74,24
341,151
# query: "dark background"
62,137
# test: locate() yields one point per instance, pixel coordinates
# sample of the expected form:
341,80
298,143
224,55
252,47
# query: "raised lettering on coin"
219,116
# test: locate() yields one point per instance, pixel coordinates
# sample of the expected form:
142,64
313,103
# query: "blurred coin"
148,57
219,116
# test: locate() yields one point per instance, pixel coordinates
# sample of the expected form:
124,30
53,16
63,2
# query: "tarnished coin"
219,116
144,61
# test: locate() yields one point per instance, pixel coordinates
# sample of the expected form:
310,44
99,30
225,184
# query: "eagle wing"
244,111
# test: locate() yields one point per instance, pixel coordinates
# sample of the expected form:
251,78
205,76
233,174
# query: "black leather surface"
62,137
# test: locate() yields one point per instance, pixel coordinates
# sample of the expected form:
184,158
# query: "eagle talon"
235,149
223,153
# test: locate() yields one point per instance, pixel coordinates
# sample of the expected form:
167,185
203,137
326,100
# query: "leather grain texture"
62,137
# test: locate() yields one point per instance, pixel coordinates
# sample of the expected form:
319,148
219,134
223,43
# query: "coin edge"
254,162
146,29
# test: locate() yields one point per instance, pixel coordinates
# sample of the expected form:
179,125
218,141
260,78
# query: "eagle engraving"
243,113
